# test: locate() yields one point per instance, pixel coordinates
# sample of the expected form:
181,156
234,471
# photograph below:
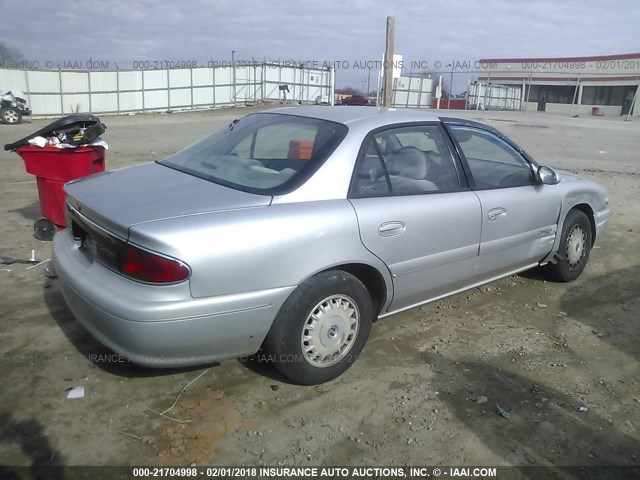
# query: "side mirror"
548,176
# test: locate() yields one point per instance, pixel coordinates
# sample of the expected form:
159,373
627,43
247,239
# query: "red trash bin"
53,167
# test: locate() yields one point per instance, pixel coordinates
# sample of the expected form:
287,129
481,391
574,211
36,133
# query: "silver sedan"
292,230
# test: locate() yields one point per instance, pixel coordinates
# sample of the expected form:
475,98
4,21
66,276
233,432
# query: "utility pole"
388,62
233,65
369,82
450,85
633,103
332,86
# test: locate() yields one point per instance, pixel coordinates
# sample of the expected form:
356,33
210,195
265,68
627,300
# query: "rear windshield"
263,153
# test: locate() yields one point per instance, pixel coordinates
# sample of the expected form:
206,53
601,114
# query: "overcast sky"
329,30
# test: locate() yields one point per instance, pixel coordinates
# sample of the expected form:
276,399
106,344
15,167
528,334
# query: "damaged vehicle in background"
292,230
13,106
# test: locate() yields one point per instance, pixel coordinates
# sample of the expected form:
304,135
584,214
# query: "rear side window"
262,153
291,141
492,161
405,161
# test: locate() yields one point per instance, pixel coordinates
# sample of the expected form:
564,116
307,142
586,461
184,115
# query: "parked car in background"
13,106
355,100
293,230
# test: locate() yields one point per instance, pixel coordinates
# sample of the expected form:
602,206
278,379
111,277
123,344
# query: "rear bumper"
161,326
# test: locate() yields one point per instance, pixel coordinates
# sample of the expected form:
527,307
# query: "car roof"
369,118
372,116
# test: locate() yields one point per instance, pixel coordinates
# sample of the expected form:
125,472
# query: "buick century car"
292,230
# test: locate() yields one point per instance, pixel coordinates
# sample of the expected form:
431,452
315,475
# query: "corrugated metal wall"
61,92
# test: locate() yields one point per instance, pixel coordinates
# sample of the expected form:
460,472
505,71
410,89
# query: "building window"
552,93
605,95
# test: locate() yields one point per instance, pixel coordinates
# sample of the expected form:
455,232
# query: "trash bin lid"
64,123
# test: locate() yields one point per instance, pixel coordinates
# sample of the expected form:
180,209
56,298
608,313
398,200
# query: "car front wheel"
321,328
575,246
10,115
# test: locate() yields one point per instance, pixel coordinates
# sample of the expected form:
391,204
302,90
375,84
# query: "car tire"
321,328
10,116
575,246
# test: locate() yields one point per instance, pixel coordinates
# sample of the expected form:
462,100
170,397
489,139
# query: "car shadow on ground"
544,426
93,351
609,304
30,438
259,365
538,274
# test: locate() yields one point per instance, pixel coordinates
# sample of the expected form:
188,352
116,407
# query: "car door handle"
497,213
389,229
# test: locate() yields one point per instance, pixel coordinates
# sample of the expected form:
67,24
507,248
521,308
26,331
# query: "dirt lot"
426,388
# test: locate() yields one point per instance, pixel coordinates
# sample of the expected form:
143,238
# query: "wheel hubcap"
575,247
10,116
330,331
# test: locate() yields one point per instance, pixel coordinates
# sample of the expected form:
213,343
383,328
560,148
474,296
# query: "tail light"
145,266
119,255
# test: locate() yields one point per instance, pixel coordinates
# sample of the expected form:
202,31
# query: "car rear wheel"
575,246
321,328
10,115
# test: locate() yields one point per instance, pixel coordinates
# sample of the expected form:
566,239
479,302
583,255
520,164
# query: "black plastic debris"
75,130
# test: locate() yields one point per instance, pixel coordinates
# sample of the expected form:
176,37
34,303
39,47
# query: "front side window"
262,153
492,161
405,161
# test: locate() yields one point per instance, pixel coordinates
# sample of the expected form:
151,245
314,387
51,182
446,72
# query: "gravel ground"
428,388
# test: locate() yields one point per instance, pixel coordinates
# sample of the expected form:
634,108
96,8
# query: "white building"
604,85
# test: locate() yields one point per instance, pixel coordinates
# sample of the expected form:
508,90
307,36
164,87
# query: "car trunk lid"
119,199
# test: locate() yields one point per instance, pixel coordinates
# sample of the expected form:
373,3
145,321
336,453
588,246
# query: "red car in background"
355,100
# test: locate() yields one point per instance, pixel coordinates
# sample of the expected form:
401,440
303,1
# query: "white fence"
412,92
494,97
61,92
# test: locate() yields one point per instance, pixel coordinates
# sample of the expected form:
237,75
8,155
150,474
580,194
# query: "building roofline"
621,56
565,78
